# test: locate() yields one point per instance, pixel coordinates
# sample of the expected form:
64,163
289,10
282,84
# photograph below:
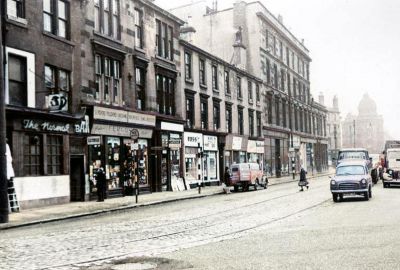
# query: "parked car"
245,175
351,178
354,153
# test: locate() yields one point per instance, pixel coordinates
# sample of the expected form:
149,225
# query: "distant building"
334,129
366,129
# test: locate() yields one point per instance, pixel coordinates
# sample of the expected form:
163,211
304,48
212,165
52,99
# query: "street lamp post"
3,158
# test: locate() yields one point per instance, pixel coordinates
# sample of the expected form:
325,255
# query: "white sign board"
210,143
193,139
237,143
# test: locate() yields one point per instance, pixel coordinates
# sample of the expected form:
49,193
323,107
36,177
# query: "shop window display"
113,168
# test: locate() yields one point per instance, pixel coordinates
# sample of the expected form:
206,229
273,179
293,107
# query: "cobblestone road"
155,230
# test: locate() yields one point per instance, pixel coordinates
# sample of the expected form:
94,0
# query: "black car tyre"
235,188
370,192
341,197
335,197
366,195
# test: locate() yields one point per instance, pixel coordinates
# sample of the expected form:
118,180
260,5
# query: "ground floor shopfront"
277,161
48,157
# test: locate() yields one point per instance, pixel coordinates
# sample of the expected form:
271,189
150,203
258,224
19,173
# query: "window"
16,8
204,113
283,76
202,71
189,111
106,17
188,66
54,155
165,94
292,60
258,95
275,76
240,120
268,72
55,17
288,84
228,118
56,80
216,116
259,127
277,116
251,123
138,28
226,82
33,162
164,40
287,56
250,91
17,81
294,87
239,87
140,88
269,108
214,70
284,114
108,75
266,39
280,50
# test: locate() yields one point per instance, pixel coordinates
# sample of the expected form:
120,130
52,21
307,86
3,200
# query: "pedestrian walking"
303,179
227,177
100,177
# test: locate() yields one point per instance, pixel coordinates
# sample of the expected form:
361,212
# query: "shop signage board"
296,142
171,127
260,147
108,114
210,143
134,134
120,131
193,139
175,141
251,146
57,103
237,143
83,126
93,140
38,125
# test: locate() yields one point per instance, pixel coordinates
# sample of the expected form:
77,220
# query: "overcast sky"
354,46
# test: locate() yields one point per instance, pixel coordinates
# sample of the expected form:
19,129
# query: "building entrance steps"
72,210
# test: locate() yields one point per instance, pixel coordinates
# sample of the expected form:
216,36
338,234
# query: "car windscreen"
350,170
235,169
352,155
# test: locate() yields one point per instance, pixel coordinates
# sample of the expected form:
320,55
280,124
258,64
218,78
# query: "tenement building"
251,38
364,130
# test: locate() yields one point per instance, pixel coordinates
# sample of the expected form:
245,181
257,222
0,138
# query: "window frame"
190,110
55,18
228,117
19,9
214,76
188,66
226,82
202,72
216,115
203,113
240,121
239,87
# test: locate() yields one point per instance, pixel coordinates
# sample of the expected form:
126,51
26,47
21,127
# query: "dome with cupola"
367,106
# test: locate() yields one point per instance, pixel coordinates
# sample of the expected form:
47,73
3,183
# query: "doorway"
77,178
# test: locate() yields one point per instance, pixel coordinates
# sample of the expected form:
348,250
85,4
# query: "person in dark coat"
303,179
100,177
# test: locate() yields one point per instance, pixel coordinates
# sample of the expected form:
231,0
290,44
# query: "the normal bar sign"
45,126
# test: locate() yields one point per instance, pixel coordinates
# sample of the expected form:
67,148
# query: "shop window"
108,80
113,168
140,88
33,159
16,8
106,18
56,17
54,155
138,28
17,80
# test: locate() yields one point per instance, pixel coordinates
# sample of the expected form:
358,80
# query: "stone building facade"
250,37
364,130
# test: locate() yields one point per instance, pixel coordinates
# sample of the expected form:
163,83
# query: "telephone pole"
3,158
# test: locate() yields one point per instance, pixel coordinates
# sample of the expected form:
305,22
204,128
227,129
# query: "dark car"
351,178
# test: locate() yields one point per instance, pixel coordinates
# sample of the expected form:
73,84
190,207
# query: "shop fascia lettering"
45,126
193,139
123,116
210,143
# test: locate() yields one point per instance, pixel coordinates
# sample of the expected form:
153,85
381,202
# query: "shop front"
235,150
41,145
167,157
124,157
210,160
255,152
193,143
276,154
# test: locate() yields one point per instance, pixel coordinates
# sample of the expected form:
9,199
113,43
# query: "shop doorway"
77,178
278,162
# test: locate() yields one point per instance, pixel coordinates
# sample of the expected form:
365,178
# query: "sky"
354,46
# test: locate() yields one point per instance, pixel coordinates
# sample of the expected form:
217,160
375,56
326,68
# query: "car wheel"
370,192
335,197
256,185
235,188
341,197
366,195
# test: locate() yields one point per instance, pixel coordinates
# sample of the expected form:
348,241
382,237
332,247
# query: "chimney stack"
321,99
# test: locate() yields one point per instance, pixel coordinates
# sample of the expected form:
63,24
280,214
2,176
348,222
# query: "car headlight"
363,181
333,182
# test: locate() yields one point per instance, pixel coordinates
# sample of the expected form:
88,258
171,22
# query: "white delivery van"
247,174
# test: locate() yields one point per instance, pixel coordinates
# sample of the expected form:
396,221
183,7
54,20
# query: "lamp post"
199,166
3,159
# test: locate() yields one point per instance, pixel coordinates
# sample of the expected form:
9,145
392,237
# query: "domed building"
366,129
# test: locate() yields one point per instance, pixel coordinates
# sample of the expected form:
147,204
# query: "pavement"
72,210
